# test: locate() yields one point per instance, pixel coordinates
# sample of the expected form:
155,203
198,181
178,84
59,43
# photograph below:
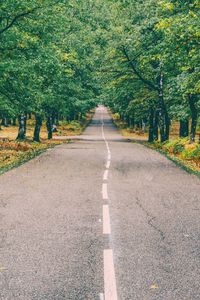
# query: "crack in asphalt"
151,219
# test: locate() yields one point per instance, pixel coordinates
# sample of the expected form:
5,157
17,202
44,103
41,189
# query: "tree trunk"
132,121
22,127
184,128
53,118
161,110
128,121
193,108
4,122
38,124
9,122
143,126
49,126
167,125
139,125
151,126
57,120
164,121
162,128
155,126
14,123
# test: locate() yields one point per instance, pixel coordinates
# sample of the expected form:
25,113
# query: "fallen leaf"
154,287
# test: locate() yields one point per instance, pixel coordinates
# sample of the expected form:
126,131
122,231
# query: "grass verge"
191,165
14,154
178,150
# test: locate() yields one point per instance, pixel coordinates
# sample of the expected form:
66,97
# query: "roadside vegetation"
180,150
47,87
46,72
153,75
153,67
14,152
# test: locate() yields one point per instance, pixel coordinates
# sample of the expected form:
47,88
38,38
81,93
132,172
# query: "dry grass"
13,153
10,133
179,150
138,134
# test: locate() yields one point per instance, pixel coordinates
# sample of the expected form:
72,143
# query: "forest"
59,59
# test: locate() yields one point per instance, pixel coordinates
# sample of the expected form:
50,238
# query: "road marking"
105,175
106,220
109,276
110,290
105,191
108,164
101,296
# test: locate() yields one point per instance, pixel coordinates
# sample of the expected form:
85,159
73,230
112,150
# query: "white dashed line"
108,164
109,276
110,290
101,296
106,220
107,146
105,191
105,175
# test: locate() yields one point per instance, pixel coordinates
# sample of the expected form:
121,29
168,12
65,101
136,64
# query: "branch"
16,49
113,71
22,15
136,72
15,19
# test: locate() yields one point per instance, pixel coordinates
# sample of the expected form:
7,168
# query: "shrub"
74,125
116,116
175,146
157,145
191,153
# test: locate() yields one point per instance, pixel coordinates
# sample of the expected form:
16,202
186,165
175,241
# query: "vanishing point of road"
99,218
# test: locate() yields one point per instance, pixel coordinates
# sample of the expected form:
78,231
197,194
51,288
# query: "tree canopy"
140,57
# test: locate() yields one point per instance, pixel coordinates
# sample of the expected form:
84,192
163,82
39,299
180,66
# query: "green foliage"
47,58
175,146
153,50
74,125
141,58
180,147
191,153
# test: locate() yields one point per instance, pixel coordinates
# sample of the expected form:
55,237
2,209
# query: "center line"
105,175
108,164
110,289
109,276
105,191
101,296
106,220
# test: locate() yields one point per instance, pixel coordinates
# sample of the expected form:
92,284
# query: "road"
99,218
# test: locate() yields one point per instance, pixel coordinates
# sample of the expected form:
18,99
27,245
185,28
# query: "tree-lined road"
99,218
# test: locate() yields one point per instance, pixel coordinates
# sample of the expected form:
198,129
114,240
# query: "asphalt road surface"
99,218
